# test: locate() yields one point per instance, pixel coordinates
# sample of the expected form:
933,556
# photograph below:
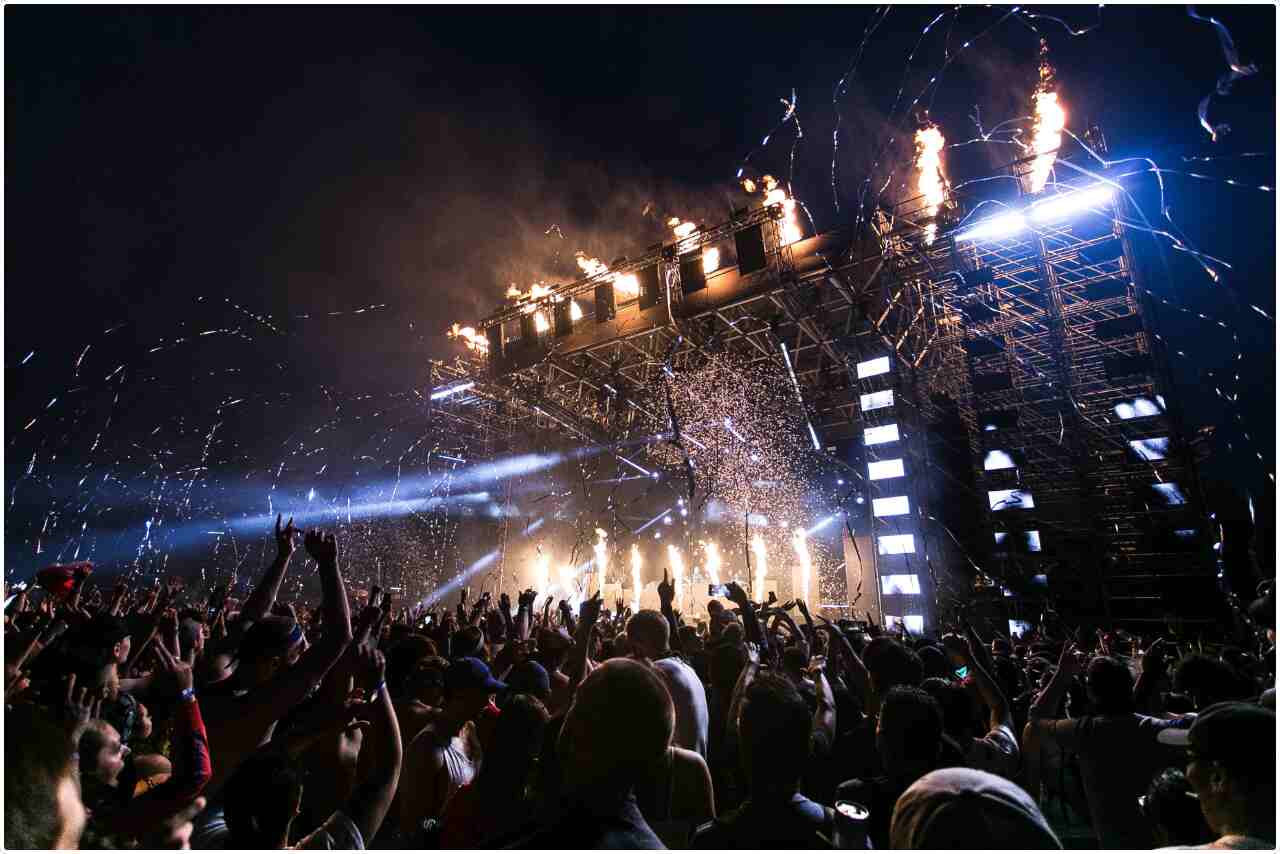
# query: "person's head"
529,678
262,798
517,742
909,733
1206,680
114,635
775,730
468,685
794,660
649,633
732,633
403,661
1000,646
191,634
690,640
42,807
1171,807
102,753
617,729
961,808
145,726
891,664
553,648
1109,685
1231,765
468,642
725,665
270,646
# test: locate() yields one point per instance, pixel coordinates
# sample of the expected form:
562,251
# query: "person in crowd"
997,751
502,799
597,806
42,806
1173,810
649,634
1231,766
775,734
909,742
265,795
447,754
1117,748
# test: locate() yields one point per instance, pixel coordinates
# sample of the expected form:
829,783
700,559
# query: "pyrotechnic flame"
677,572
775,195
470,337
799,541
542,572
540,322
569,582
636,563
748,185
710,260
602,556
1050,120
713,561
929,143
682,230
761,556
625,285
575,310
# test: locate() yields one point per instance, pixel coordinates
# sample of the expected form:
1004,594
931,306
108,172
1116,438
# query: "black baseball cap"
1241,736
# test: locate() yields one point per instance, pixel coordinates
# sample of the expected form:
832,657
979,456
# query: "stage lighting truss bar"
694,242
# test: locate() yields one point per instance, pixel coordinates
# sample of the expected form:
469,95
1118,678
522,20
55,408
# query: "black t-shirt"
797,823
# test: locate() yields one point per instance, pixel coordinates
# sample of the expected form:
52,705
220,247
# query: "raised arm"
824,718
291,686
854,670
579,659
750,624
259,603
371,800
667,595
962,649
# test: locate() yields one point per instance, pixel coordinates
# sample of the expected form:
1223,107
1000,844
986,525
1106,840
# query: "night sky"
165,165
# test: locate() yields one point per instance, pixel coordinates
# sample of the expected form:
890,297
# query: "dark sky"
164,164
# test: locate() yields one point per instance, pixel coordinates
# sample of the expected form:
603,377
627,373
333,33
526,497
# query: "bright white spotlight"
1005,225
451,390
1063,205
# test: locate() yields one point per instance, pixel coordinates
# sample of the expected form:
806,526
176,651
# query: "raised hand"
736,594
527,598
371,665
504,604
79,705
666,590
173,673
284,538
322,547
590,611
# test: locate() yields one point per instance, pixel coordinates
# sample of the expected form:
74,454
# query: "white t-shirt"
690,699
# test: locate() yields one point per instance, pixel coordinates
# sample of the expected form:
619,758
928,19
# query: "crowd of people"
156,719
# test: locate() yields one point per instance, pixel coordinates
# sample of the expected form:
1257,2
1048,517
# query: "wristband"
187,695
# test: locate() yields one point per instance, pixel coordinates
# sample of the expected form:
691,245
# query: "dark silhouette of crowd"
167,718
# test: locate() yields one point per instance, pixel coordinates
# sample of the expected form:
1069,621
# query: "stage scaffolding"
1028,390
